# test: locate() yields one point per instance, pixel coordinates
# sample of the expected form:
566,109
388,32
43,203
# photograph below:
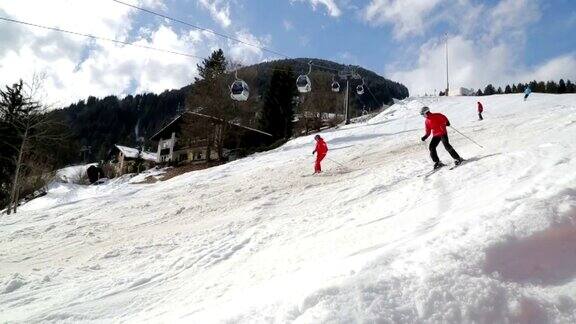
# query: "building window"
197,155
166,144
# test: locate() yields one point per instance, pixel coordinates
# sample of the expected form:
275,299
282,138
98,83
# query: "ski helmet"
317,137
424,111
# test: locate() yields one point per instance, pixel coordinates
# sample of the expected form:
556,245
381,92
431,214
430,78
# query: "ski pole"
340,164
457,131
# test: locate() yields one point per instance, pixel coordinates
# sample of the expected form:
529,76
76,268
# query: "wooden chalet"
190,136
130,160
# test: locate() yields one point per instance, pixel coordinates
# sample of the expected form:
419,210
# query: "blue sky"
496,41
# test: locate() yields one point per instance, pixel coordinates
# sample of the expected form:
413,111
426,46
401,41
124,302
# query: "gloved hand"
313,152
424,138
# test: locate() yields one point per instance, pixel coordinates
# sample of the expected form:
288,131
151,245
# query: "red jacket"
321,147
436,123
480,108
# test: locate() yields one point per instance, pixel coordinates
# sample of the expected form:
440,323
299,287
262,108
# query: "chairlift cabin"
304,84
360,90
239,90
335,86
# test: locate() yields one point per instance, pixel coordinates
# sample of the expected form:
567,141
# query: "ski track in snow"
259,240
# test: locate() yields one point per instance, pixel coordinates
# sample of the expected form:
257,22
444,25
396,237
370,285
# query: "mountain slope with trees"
98,123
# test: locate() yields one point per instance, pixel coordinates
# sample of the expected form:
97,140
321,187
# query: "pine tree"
499,90
540,87
278,109
211,94
489,90
479,93
561,86
508,89
10,101
514,89
570,88
551,87
521,87
212,66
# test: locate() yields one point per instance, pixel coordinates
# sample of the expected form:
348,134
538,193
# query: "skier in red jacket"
480,110
320,151
436,124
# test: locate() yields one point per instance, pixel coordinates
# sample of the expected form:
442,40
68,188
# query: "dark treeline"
383,90
536,86
95,125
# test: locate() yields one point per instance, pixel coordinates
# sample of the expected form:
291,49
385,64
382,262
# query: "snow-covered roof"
132,153
148,156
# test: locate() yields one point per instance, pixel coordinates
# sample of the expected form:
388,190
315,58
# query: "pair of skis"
442,167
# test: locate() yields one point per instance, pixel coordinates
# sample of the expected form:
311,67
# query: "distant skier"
436,124
480,110
527,92
321,150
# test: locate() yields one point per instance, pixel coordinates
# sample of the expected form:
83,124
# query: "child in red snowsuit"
320,151
480,110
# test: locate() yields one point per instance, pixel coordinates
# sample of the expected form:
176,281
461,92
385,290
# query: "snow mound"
373,239
73,173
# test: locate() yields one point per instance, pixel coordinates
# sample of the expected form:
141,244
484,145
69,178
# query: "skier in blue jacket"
527,92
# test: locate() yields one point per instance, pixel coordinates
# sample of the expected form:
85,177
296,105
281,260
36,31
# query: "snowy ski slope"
260,240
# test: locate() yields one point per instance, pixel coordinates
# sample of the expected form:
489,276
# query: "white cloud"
472,66
246,54
76,67
563,67
408,17
509,18
486,45
331,6
219,10
288,25
416,17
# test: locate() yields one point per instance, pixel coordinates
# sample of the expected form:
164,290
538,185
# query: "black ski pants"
444,139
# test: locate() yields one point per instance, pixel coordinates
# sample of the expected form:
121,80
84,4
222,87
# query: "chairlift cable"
201,28
373,96
98,37
215,33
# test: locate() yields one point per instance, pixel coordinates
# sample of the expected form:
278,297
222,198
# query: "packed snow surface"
374,239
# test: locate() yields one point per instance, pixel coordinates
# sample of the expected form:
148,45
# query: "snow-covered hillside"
260,240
